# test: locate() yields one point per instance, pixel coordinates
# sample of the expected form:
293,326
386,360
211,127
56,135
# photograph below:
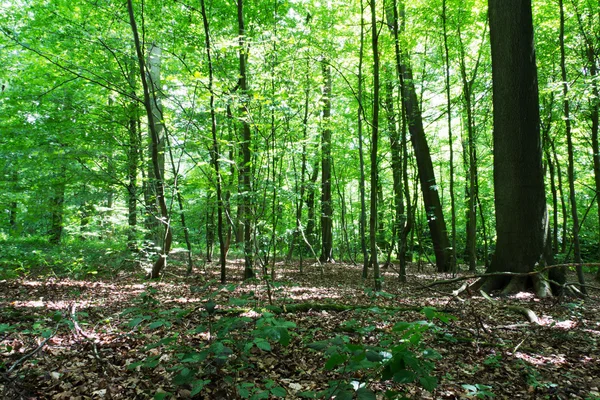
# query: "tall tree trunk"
245,170
215,144
570,150
374,148
361,155
301,186
521,216
450,137
429,188
154,134
397,164
326,201
132,172
470,155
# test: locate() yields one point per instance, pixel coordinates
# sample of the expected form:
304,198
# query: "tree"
429,187
521,217
161,262
326,203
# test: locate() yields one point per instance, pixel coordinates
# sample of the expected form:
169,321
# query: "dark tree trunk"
374,146
132,172
326,201
521,217
429,188
397,164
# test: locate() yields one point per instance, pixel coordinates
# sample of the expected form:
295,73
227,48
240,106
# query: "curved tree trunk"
160,196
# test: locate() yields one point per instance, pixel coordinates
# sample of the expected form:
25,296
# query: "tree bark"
521,217
326,201
373,220
429,188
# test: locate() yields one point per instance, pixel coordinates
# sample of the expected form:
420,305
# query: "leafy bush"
401,357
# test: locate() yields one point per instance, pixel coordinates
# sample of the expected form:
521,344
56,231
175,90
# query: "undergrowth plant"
219,348
400,356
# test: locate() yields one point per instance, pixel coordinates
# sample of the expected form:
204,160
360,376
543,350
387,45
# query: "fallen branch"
490,274
32,353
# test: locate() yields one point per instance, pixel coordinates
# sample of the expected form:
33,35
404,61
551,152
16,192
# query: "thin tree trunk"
215,144
429,188
57,207
570,150
245,170
326,201
450,137
361,155
160,197
374,148
397,163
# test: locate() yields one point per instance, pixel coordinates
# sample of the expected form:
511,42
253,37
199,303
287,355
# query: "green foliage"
479,391
400,356
229,344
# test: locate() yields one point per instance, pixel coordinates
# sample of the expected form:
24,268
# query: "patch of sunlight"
523,296
537,359
50,305
308,293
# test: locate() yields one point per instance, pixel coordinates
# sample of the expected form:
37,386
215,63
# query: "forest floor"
122,337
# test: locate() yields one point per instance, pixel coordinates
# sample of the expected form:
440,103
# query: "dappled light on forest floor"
128,338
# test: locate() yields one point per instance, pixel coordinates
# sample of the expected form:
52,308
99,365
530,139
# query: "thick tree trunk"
521,217
326,201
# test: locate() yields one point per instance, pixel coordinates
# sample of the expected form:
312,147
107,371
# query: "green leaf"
319,346
198,385
161,395
278,391
185,376
429,312
374,356
405,376
344,395
284,337
335,360
365,394
429,383
262,344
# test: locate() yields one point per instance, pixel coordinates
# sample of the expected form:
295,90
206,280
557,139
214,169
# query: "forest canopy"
335,130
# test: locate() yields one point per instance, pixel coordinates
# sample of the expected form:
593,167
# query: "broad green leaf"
365,394
335,360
